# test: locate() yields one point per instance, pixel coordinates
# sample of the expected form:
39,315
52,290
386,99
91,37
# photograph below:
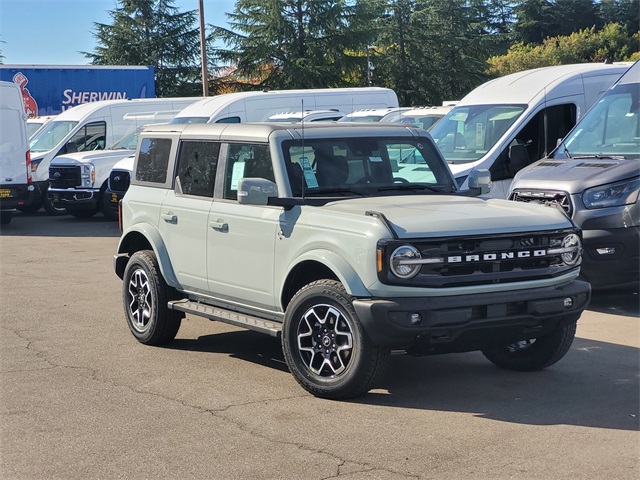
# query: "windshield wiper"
322,191
405,187
599,157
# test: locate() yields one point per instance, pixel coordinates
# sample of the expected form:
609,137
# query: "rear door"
13,136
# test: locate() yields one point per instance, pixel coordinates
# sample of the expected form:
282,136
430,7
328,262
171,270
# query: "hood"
90,157
416,216
575,175
125,163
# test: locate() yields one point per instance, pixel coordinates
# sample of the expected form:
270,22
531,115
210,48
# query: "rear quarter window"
153,160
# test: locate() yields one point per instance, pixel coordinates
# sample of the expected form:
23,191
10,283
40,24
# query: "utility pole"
370,67
203,52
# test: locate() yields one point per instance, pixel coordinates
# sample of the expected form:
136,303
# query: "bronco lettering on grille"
488,257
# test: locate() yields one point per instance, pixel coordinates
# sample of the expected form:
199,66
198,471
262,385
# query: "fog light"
568,302
415,318
606,250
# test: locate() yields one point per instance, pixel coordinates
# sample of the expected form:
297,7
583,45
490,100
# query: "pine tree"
153,32
296,43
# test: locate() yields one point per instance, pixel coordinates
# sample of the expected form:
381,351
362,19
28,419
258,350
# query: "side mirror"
481,180
256,191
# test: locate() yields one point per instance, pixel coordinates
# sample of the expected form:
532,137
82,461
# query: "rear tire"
534,354
5,218
325,346
145,295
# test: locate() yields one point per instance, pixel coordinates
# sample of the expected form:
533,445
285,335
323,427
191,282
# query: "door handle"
170,218
220,226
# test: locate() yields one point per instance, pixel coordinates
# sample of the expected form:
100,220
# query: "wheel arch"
145,237
318,265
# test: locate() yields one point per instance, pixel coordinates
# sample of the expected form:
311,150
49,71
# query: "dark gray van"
594,175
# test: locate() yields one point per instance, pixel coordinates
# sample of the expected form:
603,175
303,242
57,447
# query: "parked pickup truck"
346,241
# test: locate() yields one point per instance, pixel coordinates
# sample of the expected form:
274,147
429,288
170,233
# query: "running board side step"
227,316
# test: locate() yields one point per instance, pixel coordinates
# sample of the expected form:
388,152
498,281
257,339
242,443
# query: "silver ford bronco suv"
346,241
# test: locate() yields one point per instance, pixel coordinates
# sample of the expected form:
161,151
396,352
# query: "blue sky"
52,32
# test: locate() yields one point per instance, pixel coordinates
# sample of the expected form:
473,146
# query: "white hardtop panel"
527,86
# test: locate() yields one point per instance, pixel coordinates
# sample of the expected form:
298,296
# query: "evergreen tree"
153,32
535,20
296,43
625,12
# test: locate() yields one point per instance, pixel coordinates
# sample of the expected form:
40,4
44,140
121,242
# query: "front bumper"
611,258
463,323
114,199
80,199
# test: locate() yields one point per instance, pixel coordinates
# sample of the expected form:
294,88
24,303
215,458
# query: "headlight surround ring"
401,261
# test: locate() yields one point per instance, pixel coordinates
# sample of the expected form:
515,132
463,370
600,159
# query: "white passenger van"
242,107
15,174
87,127
512,121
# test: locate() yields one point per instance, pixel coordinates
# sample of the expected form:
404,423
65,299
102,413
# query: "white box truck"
15,174
512,121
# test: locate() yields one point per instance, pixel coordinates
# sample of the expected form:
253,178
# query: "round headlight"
403,261
574,249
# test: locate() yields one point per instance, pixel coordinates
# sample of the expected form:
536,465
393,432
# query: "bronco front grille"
476,260
64,177
119,181
544,197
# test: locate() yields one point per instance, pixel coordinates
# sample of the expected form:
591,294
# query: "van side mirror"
256,191
481,180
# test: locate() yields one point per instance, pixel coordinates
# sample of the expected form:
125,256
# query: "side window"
197,167
229,120
153,160
536,139
246,160
90,137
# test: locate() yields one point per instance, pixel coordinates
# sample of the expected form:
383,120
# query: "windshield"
467,133
362,118
32,127
128,142
50,136
361,166
182,120
611,127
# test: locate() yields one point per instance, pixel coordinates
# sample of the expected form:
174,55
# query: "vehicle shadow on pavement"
595,385
40,224
245,345
623,303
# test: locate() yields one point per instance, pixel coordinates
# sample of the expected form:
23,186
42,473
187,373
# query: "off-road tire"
534,354
145,295
325,346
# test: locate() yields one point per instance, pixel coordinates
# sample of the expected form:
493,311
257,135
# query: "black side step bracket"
227,316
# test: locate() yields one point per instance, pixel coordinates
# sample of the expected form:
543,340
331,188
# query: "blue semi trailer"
51,89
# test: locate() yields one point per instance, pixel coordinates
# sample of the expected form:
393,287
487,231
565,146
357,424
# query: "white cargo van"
242,107
87,127
512,121
78,181
15,174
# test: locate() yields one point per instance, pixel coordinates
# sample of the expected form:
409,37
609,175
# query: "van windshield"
50,136
611,127
468,132
128,142
187,120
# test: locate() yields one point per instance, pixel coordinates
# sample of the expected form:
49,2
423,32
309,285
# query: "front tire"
325,347
5,217
534,354
49,207
145,295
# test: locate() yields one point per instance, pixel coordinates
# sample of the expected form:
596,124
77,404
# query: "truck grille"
477,260
119,181
544,197
64,177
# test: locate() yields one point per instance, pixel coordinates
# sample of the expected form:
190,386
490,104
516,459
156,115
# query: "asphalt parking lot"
81,399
